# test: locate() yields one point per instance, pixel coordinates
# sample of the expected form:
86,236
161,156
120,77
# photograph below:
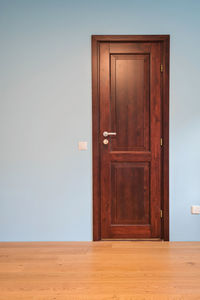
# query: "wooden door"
130,135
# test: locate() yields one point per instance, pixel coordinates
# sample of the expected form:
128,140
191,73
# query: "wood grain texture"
165,134
95,142
130,105
131,203
100,270
127,38
130,102
139,48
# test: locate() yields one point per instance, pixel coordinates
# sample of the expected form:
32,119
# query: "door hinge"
161,213
161,142
161,68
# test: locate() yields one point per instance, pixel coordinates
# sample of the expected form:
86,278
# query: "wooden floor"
100,270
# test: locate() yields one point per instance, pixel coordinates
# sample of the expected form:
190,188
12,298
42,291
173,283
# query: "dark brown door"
130,131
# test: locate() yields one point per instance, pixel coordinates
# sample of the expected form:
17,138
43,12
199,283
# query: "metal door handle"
106,133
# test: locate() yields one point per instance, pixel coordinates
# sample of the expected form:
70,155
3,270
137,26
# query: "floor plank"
100,270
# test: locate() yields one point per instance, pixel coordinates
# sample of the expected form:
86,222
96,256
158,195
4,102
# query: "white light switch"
195,209
82,145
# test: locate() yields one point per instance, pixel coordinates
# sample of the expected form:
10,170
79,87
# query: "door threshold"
136,240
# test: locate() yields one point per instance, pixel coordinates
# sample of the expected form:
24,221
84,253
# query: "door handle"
106,133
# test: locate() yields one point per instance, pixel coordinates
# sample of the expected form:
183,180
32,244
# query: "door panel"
130,172
130,202
130,102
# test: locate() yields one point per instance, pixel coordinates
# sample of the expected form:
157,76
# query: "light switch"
195,209
82,145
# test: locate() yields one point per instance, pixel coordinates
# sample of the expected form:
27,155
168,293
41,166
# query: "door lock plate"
105,141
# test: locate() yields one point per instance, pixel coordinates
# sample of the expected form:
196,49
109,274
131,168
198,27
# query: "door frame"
165,42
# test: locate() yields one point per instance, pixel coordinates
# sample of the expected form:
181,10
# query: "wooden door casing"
135,152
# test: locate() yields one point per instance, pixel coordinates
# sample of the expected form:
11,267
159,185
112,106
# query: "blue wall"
45,182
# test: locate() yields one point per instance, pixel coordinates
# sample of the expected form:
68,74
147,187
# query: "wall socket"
195,209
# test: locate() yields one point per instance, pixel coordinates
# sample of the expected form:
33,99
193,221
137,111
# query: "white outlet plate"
82,145
195,209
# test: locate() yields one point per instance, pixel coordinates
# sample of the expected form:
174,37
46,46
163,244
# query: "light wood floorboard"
100,270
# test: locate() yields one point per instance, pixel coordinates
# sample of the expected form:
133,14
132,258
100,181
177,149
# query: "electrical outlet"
195,209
